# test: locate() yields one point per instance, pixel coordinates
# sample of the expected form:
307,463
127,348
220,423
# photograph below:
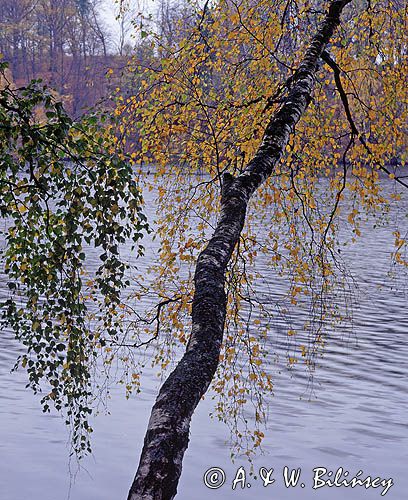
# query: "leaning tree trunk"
167,433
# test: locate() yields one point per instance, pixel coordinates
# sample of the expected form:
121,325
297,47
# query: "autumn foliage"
200,111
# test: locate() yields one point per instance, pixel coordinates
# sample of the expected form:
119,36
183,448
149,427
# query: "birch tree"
243,99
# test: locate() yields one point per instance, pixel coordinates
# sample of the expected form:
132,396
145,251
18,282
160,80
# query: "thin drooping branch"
167,433
354,130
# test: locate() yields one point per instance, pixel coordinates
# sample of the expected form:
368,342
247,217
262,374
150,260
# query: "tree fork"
167,434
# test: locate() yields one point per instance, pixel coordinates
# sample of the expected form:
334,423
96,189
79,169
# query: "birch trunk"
167,433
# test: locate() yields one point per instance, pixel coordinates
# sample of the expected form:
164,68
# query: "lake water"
357,417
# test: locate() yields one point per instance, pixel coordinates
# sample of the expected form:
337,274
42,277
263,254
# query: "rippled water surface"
355,418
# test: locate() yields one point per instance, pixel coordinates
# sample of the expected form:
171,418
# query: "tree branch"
343,96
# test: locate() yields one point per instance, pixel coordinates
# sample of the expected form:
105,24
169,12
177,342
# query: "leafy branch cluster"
64,187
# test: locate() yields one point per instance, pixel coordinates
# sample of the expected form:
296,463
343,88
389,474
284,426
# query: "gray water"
355,418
